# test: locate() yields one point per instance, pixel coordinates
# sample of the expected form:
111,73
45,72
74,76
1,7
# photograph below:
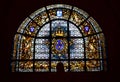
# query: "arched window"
59,33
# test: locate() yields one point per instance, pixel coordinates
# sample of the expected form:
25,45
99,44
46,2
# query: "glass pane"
31,29
59,28
41,19
81,12
76,18
77,66
42,49
59,49
102,45
92,47
87,28
93,65
59,13
41,66
17,66
95,24
74,31
26,48
25,66
44,31
17,40
76,48
54,64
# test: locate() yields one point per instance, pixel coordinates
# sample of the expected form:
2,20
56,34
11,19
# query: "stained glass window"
59,33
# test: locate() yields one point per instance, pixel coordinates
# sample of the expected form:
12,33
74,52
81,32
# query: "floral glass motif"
76,18
93,65
92,49
41,18
77,66
59,33
41,66
25,66
26,48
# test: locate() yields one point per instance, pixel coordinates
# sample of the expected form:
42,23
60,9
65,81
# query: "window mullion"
68,39
50,39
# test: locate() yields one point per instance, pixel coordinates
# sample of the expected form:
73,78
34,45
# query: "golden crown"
59,32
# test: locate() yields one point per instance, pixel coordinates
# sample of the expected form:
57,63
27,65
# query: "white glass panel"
44,31
74,32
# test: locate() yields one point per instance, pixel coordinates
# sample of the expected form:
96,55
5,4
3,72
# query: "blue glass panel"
86,28
59,45
59,13
32,29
